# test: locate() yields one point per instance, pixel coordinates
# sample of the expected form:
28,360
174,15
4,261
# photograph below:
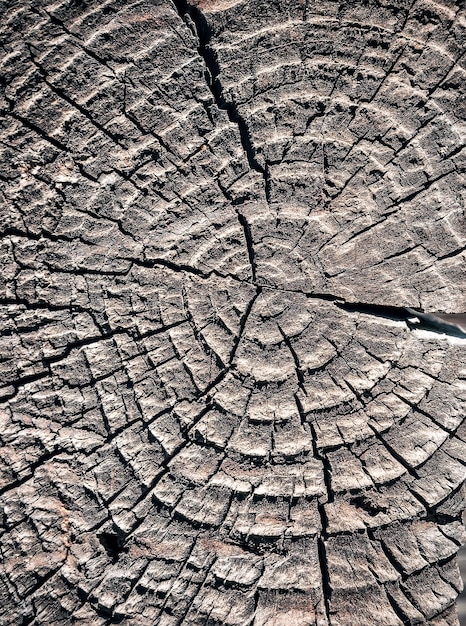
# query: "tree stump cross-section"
218,221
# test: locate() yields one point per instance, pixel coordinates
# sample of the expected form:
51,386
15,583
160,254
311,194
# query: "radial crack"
196,21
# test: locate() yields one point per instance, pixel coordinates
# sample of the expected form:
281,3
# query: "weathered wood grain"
214,407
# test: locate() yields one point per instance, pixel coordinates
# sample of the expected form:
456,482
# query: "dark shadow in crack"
452,324
398,314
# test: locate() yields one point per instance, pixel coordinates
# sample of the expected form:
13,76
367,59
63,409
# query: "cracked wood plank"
218,219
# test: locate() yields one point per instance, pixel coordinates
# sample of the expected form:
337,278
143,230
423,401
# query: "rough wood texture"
214,409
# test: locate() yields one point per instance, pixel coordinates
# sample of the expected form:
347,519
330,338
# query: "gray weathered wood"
214,408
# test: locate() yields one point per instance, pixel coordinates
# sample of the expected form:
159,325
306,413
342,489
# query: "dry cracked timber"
214,409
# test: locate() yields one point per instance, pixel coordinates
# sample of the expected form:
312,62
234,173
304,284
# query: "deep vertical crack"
198,25
249,243
321,548
325,575
297,364
243,321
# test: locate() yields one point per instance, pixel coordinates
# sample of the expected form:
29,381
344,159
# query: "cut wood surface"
215,408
